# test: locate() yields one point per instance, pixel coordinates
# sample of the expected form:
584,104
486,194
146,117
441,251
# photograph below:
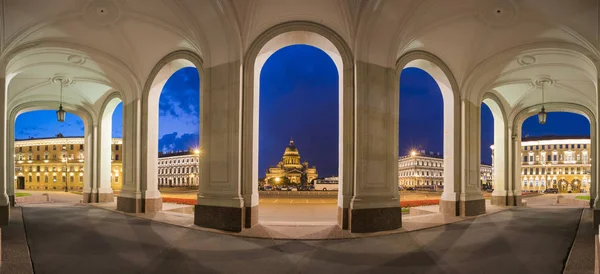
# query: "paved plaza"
72,238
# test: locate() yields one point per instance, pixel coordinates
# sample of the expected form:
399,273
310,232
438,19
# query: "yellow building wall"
51,174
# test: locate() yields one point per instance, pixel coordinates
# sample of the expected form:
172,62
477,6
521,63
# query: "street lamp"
66,161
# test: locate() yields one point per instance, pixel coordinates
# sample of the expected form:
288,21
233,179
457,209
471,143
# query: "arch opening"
179,73
299,116
50,162
450,200
297,33
556,157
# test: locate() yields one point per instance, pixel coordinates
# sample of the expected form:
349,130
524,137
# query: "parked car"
551,191
490,190
410,188
294,188
284,188
268,188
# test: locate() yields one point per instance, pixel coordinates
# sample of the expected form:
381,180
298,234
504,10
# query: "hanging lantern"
542,115
61,113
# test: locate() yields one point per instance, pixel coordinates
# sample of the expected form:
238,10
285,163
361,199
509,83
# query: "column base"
98,197
138,205
472,207
342,217
499,200
514,201
367,220
596,220
11,200
4,215
250,216
449,207
218,217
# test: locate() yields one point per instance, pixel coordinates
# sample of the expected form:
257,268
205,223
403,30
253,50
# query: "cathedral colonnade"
229,53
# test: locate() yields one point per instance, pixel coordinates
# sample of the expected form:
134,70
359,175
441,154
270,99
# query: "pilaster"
4,164
130,197
375,205
472,202
220,202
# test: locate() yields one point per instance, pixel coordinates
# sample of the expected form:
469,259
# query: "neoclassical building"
504,54
178,169
290,170
422,168
57,162
561,162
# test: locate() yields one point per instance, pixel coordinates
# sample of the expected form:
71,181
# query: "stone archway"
457,198
146,197
275,38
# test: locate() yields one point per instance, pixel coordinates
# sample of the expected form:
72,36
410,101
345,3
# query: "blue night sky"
299,100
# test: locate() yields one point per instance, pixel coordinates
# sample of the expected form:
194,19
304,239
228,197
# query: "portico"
106,52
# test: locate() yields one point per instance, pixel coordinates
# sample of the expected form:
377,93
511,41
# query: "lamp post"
66,161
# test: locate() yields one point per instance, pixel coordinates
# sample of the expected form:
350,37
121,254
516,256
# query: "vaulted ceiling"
499,46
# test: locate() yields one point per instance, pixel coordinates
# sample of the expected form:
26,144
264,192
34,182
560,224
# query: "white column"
376,202
103,158
471,200
220,203
593,169
10,158
500,162
515,183
5,165
89,167
129,199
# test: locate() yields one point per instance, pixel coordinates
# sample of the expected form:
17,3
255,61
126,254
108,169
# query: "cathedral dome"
291,149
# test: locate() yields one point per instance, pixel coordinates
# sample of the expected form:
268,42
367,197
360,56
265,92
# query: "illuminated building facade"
54,163
290,169
178,169
556,162
427,169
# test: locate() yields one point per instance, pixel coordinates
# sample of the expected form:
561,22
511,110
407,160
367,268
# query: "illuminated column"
5,165
595,168
89,162
10,155
471,200
220,204
130,198
514,163
103,146
376,202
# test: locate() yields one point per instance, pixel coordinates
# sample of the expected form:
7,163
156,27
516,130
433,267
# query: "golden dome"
291,149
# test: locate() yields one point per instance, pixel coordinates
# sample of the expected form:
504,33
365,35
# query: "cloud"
173,141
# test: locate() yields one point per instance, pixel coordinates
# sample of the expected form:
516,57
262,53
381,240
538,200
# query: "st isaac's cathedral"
289,170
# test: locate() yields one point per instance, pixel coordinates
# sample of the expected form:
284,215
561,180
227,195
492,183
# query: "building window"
116,147
116,157
80,179
54,147
46,179
71,147
30,178
37,178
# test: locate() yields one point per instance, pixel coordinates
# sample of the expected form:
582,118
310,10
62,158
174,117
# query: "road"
66,238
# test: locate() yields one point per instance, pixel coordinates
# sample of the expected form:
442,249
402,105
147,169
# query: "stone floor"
67,238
